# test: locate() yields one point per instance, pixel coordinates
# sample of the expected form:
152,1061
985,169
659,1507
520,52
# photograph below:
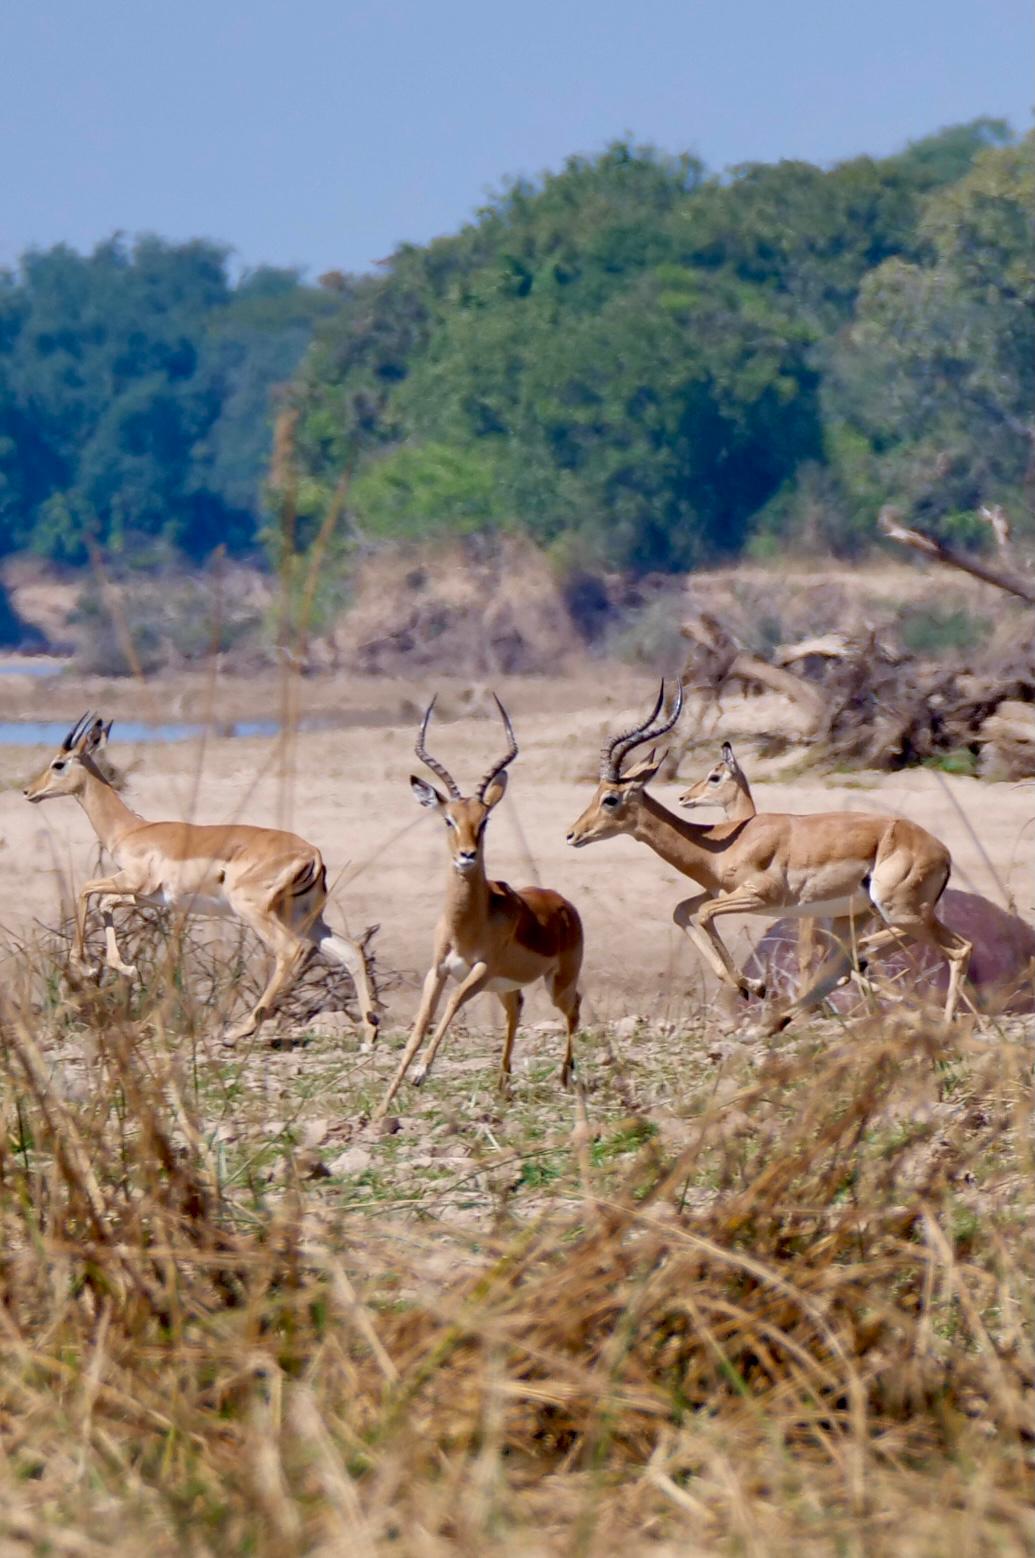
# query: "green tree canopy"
633,356
135,389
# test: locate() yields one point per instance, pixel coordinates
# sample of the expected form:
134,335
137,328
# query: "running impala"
491,936
273,882
843,864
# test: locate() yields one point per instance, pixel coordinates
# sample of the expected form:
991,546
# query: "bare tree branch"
930,546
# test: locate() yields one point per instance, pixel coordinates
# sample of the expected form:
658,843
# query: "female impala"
843,864
491,936
274,882
724,785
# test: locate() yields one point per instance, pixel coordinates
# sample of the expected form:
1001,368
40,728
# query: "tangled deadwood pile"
206,977
865,699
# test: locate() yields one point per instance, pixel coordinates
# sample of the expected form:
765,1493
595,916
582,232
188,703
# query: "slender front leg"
472,985
569,1003
115,886
512,1002
690,917
114,956
434,982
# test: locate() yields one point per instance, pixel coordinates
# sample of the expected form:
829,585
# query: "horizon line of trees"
638,364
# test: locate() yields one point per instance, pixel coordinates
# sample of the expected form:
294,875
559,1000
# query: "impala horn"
80,727
615,752
430,762
504,762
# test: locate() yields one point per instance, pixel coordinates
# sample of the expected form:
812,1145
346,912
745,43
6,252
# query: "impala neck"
109,815
743,807
691,848
467,894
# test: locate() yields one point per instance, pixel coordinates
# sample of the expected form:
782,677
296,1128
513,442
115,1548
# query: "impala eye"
58,766
611,800
713,778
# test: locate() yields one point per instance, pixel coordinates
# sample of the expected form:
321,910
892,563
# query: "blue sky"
324,132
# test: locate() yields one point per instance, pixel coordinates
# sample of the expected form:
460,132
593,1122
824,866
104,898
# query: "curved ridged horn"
617,751
429,761
504,762
611,757
81,725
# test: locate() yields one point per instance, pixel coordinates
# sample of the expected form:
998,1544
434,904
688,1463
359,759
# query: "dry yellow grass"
725,1299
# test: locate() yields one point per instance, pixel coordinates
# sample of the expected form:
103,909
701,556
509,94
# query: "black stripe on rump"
306,879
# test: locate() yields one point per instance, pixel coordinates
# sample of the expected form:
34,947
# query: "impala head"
616,799
66,772
465,816
722,785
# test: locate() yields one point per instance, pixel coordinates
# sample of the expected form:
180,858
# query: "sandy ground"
347,790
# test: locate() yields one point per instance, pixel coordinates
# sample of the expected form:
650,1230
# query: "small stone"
313,1132
352,1161
390,1125
626,1027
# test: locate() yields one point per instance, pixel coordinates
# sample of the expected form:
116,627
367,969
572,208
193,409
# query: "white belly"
194,903
832,908
458,968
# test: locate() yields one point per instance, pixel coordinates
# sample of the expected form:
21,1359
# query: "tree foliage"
135,389
648,366
637,364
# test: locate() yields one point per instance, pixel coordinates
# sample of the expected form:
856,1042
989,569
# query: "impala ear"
426,793
496,791
94,737
97,736
727,757
644,771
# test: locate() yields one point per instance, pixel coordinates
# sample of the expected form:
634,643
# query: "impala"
491,936
841,864
273,882
724,785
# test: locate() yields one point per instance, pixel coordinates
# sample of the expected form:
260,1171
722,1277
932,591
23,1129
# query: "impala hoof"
418,1076
234,1036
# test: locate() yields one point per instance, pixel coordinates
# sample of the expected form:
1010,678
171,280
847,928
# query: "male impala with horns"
845,865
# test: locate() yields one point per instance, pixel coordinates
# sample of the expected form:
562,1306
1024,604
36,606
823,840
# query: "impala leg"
836,964
434,983
807,929
512,1002
472,985
289,953
340,949
694,915
568,1002
118,887
929,930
